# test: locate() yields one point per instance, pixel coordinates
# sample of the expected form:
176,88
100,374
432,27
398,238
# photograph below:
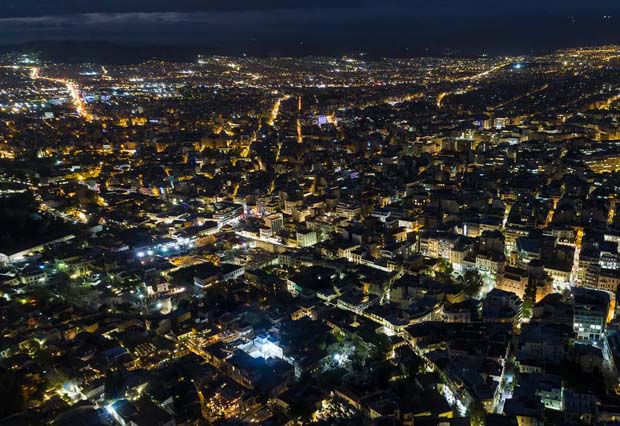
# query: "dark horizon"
394,28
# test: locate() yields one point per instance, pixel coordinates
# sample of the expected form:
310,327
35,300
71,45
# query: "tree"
125,308
444,272
380,373
529,298
360,350
43,296
477,414
184,304
330,378
471,282
382,347
44,357
104,308
14,311
357,362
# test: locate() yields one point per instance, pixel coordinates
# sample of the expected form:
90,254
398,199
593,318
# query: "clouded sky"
457,7
317,26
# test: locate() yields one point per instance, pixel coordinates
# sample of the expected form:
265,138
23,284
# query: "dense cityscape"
311,241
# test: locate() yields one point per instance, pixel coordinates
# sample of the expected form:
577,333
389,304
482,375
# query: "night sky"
286,27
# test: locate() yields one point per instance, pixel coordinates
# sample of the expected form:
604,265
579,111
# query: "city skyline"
347,213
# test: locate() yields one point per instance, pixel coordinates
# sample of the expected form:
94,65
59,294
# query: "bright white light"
140,254
340,358
150,252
